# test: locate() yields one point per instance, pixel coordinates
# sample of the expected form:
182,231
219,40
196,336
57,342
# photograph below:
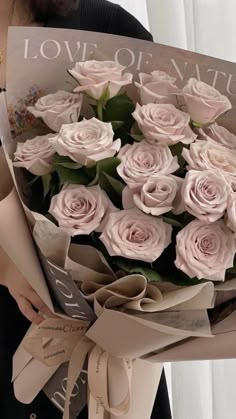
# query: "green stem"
100,110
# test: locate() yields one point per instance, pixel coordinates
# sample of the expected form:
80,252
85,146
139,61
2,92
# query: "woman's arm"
21,291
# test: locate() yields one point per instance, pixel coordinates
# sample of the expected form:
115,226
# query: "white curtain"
205,26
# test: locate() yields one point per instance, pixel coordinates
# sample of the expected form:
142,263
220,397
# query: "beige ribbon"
56,341
98,385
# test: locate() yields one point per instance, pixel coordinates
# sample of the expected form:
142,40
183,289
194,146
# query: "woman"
92,15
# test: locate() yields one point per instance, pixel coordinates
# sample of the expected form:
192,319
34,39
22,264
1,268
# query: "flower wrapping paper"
163,314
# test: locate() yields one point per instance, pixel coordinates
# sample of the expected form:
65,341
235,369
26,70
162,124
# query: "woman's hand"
27,299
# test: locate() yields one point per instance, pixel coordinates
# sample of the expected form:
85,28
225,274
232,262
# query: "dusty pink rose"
205,194
140,161
157,87
204,103
81,210
35,155
99,78
157,196
219,135
87,141
231,212
57,109
204,155
134,235
164,124
205,250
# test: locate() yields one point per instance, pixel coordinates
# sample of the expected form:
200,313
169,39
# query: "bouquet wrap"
117,321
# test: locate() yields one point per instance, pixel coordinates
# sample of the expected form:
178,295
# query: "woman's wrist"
7,268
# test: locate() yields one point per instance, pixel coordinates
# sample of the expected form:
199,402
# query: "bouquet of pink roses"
151,185
129,189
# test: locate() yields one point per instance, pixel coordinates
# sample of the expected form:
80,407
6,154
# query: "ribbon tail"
95,408
75,366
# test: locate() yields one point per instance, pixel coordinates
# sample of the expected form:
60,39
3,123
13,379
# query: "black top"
98,16
101,16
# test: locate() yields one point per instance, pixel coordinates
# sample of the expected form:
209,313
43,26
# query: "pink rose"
87,141
205,155
81,210
157,87
205,194
141,161
231,212
219,135
134,235
157,196
205,250
164,124
204,103
35,155
97,78
57,109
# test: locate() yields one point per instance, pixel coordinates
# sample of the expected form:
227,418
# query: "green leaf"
119,108
173,222
78,177
117,124
197,124
46,179
116,184
108,166
128,267
113,188
176,150
65,162
105,97
233,269
32,181
183,280
137,137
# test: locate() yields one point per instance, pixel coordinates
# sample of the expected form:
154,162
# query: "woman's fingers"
27,310
38,303
27,299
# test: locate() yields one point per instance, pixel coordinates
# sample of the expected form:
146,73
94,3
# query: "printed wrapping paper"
150,322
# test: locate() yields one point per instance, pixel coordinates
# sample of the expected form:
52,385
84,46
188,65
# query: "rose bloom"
141,161
157,87
157,196
81,210
205,155
134,235
35,155
87,141
164,124
99,78
231,212
58,109
204,103
205,194
219,135
205,250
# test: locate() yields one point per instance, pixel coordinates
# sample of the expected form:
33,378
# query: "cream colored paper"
221,346
15,237
132,337
145,381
